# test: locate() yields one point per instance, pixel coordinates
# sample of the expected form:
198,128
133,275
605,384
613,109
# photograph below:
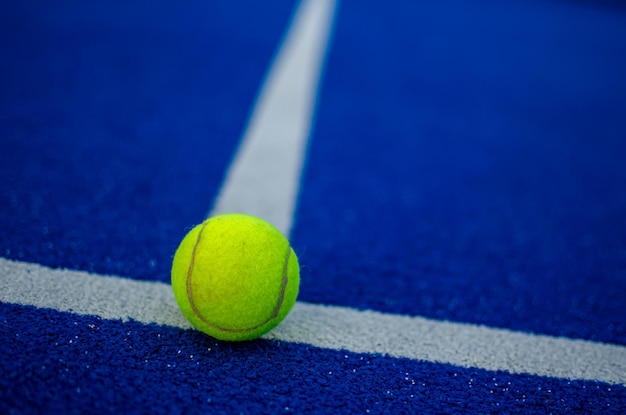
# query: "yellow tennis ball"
235,277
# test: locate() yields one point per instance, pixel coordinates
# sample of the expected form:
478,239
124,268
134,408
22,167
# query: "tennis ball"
235,277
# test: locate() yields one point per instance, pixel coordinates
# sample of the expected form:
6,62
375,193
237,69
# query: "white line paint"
330,327
263,179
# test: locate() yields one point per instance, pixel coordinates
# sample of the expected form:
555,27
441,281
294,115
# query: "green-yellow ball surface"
235,277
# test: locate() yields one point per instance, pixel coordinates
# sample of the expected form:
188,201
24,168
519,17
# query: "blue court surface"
451,175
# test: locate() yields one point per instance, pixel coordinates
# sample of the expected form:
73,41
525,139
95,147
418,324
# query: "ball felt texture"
235,277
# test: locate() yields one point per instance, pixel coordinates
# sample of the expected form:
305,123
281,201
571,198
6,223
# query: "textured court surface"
452,177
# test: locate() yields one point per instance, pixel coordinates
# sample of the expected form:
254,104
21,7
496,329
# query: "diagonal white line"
263,179
330,327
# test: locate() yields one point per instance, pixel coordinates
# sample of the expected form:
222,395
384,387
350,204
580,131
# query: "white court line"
329,327
263,179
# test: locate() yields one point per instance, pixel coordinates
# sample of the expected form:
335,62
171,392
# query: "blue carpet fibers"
88,365
489,170
107,106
